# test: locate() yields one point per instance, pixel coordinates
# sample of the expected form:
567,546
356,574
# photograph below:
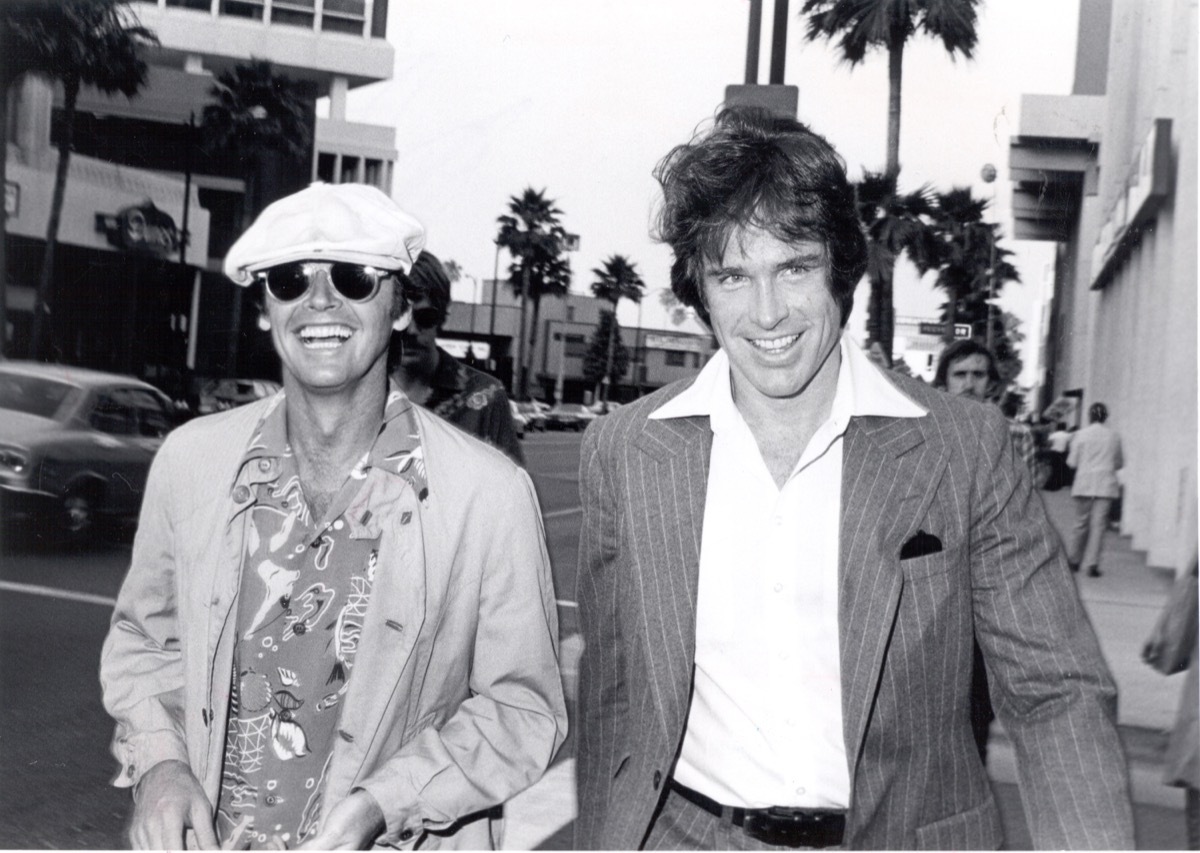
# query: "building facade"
1108,173
488,328
161,308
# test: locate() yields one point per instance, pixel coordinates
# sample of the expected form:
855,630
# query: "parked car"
220,394
574,416
76,444
520,422
534,414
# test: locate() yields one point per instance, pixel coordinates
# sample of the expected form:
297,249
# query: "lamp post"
988,173
492,317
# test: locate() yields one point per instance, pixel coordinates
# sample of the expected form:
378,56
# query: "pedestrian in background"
431,377
338,627
785,559
1095,455
1057,443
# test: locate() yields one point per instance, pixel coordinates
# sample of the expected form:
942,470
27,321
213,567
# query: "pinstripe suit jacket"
906,632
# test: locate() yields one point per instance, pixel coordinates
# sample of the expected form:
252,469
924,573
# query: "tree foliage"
607,335
77,43
534,237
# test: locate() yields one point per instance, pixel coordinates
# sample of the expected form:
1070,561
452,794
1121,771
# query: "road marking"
559,513
51,592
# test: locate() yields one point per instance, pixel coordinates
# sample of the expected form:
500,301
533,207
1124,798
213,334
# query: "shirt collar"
862,391
397,448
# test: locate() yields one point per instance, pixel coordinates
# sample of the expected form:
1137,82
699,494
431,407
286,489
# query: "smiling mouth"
774,345
324,337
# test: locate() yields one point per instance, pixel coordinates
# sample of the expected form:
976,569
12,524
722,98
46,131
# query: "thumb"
206,836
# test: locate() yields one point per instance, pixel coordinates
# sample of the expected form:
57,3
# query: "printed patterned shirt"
305,588
475,402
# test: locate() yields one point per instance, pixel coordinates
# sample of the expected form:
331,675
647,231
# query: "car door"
115,453
152,425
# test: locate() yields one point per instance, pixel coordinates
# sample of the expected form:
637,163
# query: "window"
243,9
570,313
674,358
345,16
373,174
349,173
576,346
296,13
326,163
204,5
112,417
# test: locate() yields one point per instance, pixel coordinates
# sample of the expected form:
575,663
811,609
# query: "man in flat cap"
339,627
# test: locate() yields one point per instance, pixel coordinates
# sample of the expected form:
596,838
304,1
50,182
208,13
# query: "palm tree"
606,355
78,43
971,265
617,279
532,233
863,25
895,224
255,114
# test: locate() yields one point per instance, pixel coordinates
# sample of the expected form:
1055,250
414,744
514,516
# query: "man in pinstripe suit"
785,561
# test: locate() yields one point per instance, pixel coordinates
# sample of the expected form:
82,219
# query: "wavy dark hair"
966,348
427,279
755,168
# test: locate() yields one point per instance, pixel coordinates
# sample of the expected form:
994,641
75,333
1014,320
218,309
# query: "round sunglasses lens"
287,283
354,282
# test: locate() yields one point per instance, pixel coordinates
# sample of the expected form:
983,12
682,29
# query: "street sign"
12,198
961,330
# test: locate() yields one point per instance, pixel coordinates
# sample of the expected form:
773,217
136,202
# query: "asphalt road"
54,612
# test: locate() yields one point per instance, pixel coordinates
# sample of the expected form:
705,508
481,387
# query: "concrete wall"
1132,344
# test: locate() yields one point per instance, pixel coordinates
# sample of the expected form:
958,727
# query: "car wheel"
77,513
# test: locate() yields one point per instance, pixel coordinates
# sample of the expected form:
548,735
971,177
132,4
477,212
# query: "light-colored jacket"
456,701
1095,455
907,628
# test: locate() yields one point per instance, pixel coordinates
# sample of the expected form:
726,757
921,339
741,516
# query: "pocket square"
921,544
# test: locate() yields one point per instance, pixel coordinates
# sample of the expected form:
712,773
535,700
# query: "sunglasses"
426,318
289,282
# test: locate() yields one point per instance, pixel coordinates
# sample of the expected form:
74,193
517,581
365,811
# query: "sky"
582,98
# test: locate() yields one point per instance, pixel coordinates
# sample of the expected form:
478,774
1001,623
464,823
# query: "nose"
769,306
322,295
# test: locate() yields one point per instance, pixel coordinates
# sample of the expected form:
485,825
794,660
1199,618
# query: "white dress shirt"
765,726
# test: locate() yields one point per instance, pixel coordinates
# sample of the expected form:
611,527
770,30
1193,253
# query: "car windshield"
32,395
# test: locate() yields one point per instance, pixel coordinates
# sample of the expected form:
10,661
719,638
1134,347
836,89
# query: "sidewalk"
1123,605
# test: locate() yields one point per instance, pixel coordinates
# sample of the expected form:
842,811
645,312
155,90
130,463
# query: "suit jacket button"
657,779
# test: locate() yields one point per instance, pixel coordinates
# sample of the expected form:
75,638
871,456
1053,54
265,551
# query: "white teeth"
325,336
775,344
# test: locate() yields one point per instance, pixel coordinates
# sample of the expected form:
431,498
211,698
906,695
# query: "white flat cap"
328,222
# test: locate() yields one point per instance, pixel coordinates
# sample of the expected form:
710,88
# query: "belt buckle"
785,827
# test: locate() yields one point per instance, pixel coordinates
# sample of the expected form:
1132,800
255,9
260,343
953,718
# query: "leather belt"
778,825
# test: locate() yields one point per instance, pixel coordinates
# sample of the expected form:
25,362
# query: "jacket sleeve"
504,736
141,664
1049,683
603,694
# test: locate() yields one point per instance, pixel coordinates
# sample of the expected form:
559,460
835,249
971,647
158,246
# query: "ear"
401,323
264,322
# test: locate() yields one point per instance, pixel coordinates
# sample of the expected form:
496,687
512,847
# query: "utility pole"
988,173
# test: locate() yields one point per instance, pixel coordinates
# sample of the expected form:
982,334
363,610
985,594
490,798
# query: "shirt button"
264,465
270,801
130,770
405,834
241,494
779,587
299,628
800,791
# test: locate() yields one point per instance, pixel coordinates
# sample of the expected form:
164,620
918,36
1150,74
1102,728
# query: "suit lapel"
889,477
670,458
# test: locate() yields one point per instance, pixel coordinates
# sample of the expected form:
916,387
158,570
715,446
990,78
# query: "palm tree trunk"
895,78
608,360
536,303
5,84
235,310
522,391
70,97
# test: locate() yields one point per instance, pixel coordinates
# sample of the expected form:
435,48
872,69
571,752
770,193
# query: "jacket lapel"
889,477
671,459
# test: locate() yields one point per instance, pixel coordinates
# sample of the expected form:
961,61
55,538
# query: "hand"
169,800
350,825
